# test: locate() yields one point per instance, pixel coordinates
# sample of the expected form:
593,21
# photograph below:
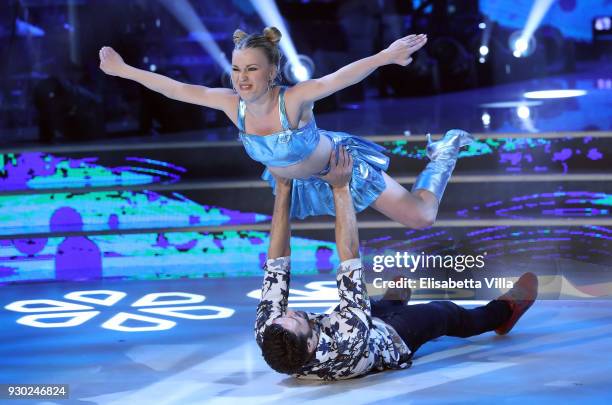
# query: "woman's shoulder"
293,97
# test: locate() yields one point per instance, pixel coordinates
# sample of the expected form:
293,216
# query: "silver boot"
443,155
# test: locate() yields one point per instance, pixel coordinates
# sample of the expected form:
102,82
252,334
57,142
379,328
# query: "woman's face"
251,73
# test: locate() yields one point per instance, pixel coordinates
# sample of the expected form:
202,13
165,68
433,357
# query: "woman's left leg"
416,209
419,208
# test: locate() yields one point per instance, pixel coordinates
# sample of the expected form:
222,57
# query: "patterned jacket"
351,342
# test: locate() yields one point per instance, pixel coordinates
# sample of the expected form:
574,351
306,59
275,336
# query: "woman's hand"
111,62
399,52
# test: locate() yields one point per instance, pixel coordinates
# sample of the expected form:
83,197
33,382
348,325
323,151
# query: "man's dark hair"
284,350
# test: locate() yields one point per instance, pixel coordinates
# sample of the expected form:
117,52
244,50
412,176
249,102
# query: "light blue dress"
313,196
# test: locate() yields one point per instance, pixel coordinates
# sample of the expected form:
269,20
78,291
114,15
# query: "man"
359,336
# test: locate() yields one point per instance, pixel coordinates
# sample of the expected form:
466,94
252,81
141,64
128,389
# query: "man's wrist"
340,188
283,191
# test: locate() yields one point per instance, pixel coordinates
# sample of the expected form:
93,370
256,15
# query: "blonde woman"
278,129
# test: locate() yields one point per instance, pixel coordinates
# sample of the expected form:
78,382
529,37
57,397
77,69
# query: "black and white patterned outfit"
351,341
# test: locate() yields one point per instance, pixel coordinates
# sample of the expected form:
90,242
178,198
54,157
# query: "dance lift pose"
359,336
278,129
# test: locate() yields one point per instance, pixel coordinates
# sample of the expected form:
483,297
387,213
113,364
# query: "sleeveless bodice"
284,148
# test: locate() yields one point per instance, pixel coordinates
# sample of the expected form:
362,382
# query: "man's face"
294,321
297,322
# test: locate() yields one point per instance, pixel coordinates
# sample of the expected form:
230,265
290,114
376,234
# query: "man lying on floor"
359,336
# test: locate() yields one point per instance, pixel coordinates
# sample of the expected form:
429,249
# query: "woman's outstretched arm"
398,52
112,64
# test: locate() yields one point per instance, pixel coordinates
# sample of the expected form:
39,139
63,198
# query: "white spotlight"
486,119
484,50
543,94
523,112
482,60
520,45
482,26
300,71
602,24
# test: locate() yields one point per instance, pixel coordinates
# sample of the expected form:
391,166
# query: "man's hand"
282,183
341,168
399,51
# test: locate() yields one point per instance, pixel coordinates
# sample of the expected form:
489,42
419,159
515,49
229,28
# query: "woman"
277,128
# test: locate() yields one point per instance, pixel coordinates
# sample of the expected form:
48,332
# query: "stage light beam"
525,43
270,15
186,15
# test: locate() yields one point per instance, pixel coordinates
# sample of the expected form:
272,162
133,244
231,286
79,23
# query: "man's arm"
353,318
351,287
275,288
280,232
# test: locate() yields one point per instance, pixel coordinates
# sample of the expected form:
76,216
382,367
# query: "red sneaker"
520,298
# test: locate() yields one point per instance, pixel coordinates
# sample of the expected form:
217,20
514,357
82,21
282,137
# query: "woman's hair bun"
239,35
272,34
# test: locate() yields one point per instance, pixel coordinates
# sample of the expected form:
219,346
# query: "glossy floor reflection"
137,342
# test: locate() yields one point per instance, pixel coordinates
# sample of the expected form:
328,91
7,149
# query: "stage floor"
120,342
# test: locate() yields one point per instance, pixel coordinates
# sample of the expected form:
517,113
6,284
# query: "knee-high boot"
443,155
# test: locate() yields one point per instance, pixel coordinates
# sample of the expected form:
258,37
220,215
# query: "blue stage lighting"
25,29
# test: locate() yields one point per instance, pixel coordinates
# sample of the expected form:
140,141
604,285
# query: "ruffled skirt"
313,196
